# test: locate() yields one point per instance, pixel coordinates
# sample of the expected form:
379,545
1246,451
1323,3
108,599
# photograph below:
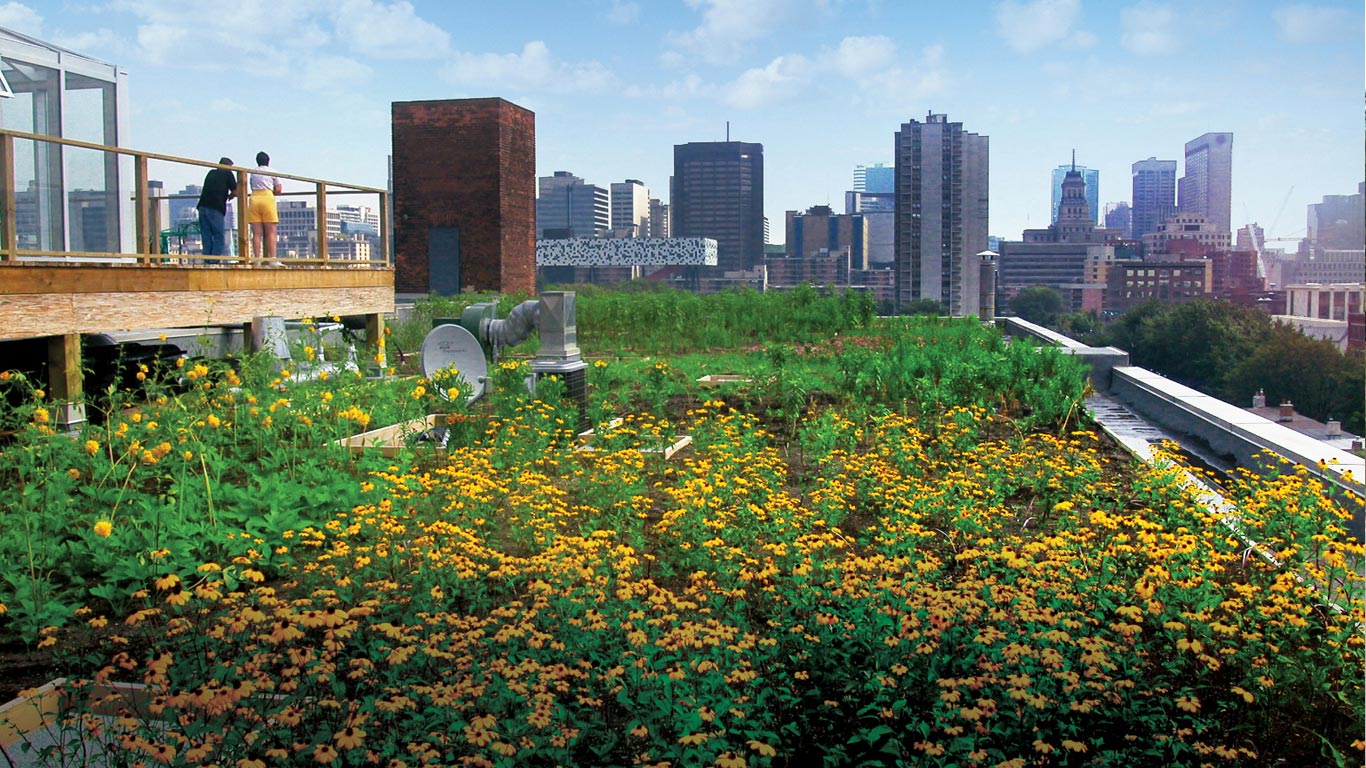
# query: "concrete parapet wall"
1232,431
1100,360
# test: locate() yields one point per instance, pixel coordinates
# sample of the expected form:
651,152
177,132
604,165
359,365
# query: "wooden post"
140,211
243,229
9,233
383,229
374,341
322,222
64,378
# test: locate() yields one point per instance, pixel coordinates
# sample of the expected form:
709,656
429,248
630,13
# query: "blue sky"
822,84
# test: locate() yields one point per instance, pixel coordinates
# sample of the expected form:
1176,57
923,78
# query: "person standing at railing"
219,185
262,214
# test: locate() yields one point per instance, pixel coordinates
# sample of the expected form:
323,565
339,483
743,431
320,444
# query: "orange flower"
349,738
103,528
324,753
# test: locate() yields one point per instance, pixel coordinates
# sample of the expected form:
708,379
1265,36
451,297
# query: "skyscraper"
1207,187
941,213
874,178
569,207
1119,216
1154,195
630,208
718,192
1088,175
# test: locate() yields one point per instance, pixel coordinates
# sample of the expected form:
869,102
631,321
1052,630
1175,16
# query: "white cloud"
727,25
859,55
873,64
1313,23
333,72
689,87
1148,29
86,42
389,31
622,14
532,69
21,18
783,78
1030,26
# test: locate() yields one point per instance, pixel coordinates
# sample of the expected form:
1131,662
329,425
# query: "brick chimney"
1287,413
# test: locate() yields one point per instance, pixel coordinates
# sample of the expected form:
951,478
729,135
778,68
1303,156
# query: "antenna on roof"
727,131
1074,158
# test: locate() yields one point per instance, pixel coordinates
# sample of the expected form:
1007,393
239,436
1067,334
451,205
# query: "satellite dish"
453,346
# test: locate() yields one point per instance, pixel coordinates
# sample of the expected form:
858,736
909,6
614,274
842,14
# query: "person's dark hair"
262,158
225,161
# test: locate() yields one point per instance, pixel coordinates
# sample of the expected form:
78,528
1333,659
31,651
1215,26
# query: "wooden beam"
374,340
9,233
140,211
322,222
64,379
243,230
385,256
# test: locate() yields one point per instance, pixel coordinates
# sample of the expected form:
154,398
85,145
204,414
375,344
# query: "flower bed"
927,585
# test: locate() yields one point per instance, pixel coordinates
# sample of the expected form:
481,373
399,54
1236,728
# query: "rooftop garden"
887,542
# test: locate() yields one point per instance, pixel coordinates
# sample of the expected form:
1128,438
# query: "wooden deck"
61,299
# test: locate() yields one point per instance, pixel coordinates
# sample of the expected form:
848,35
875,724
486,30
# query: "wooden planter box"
666,450
37,718
718,379
395,437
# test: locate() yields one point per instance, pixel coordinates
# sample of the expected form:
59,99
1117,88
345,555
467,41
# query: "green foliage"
1040,304
1230,352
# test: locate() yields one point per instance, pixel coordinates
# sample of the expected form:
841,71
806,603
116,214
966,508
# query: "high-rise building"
464,196
874,178
1338,222
821,229
569,207
1154,196
659,219
1250,238
1090,176
1120,217
630,209
718,192
1207,186
941,213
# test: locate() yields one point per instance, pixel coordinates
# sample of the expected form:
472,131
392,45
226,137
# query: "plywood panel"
29,315
125,278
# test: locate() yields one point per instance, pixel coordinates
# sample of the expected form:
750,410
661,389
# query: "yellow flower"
103,528
168,581
349,738
92,447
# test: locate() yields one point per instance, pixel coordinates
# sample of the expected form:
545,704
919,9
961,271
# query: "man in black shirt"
219,185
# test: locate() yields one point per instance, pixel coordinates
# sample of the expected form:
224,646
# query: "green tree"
924,307
1039,304
1312,374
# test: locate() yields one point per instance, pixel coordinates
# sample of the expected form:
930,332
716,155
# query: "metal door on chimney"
443,260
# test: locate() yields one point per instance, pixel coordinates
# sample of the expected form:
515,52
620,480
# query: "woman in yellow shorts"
261,212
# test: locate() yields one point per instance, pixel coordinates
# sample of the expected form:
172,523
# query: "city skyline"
615,85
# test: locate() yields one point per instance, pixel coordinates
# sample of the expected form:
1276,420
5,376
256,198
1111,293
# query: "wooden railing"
146,221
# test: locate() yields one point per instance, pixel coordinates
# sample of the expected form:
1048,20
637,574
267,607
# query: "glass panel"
35,108
91,175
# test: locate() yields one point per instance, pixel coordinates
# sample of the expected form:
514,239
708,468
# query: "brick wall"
468,164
